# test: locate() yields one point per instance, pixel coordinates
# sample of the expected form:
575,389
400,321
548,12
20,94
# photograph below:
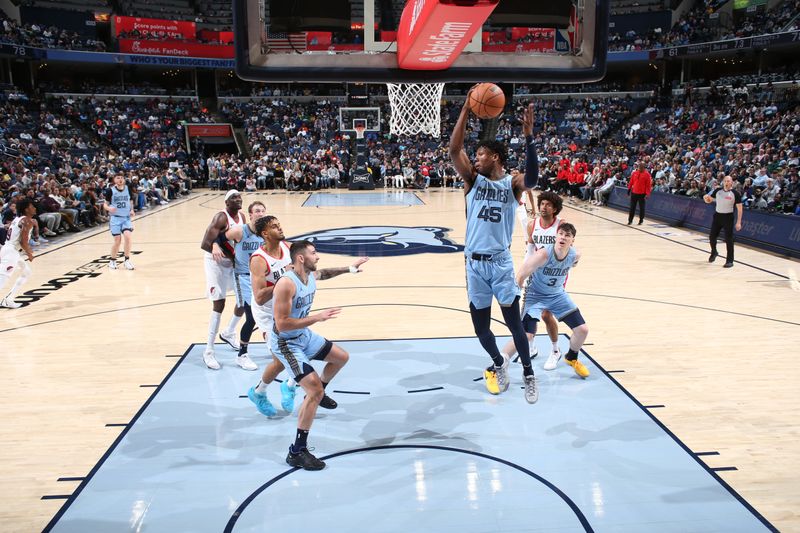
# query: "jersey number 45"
490,214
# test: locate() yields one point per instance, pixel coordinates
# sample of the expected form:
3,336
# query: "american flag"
286,42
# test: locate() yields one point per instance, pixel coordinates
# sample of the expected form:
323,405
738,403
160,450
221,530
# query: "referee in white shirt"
726,199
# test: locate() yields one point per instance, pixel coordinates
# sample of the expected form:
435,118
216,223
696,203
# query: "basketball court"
112,422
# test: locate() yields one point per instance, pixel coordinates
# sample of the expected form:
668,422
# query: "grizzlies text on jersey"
491,208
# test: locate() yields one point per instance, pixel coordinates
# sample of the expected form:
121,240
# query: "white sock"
555,346
290,382
261,388
213,328
231,329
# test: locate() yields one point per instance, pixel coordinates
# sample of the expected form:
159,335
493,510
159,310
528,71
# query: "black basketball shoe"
304,460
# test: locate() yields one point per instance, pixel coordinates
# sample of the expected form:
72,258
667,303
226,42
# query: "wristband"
353,270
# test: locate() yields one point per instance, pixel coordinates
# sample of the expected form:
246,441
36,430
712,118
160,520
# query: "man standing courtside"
640,186
725,198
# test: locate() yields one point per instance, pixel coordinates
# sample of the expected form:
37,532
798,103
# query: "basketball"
486,100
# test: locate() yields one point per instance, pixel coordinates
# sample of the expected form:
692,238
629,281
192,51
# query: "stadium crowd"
699,24
63,151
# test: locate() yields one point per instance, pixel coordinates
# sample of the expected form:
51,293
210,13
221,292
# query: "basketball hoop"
416,108
360,131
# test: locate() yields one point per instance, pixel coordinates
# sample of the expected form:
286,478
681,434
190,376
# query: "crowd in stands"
63,151
689,147
698,26
63,154
138,88
45,37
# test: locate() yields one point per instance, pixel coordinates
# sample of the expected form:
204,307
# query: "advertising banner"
209,130
173,28
175,48
774,232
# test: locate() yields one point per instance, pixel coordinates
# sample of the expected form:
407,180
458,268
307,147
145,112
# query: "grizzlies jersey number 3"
491,209
550,278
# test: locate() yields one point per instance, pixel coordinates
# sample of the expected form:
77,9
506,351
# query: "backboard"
350,117
355,41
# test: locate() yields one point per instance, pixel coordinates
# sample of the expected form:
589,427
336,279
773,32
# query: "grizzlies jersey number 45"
491,209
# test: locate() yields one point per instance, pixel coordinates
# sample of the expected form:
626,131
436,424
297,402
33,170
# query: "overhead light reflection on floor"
419,474
597,499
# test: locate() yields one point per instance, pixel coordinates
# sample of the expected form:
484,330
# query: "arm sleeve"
531,163
737,198
713,194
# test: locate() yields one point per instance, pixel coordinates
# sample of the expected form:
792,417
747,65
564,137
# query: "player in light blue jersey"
247,241
492,198
547,270
295,345
119,204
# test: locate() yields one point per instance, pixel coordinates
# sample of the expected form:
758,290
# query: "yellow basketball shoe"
490,380
578,367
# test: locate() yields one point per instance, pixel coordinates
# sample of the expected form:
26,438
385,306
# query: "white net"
416,108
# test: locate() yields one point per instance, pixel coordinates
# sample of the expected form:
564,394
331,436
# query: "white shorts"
264,321
10,259
219,277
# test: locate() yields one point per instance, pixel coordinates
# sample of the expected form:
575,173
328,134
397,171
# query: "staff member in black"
726,198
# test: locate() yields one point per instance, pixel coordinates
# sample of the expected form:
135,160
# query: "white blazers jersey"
540,236
15,235
232,223
276,266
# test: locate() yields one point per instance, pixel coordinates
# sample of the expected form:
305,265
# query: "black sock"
572,355
300,440
323,385
127,258
527,370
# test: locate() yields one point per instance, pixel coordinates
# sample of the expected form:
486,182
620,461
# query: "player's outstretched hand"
327,314
30,255
527,120
360,261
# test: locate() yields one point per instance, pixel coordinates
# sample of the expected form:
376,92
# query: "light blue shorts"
488,278
296,353
559,304
242,289
119,224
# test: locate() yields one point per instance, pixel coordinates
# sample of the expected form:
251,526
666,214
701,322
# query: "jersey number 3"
490,214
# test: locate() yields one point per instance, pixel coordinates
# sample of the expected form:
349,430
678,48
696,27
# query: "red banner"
175,48
432,33
220,36
172,28
541,46
209,130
